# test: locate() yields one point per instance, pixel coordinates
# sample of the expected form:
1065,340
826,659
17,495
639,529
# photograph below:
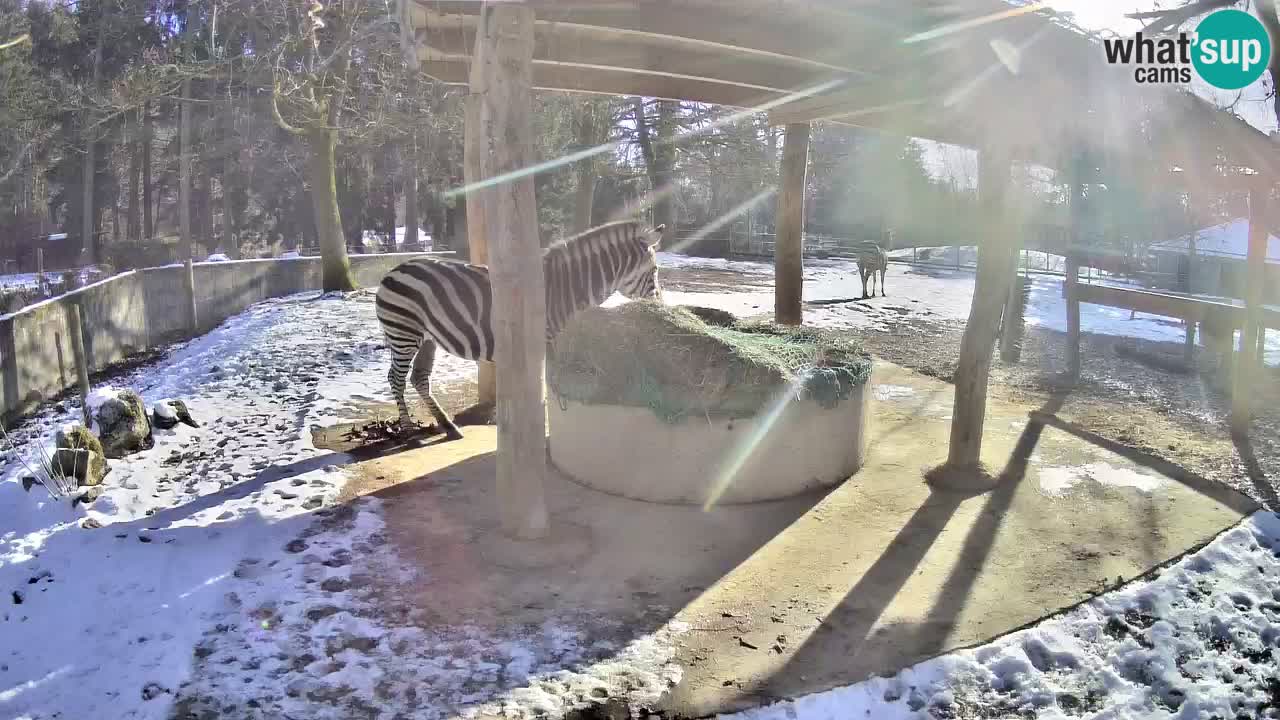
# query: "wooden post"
1189,344
1246,363
995,258
1076,208
40,281
1011,325
193,318
75,328
477,239
501,88
788,249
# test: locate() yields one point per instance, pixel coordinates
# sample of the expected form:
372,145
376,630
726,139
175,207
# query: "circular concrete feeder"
630,451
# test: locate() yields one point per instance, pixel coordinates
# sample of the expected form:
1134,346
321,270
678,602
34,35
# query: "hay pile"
669,359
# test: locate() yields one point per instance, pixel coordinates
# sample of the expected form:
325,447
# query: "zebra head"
642,283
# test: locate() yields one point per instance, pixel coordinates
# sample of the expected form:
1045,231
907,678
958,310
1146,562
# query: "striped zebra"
872,259
425,303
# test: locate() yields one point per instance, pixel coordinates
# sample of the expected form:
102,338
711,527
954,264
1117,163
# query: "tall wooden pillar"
788,250
477,238
995,259
1247,357
501,102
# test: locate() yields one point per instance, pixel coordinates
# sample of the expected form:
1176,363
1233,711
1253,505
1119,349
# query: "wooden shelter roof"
979,73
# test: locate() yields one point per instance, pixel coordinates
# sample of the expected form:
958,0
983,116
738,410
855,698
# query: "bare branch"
275,112
1163,21
17,162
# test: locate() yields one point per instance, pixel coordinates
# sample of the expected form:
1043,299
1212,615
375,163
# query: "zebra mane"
585,237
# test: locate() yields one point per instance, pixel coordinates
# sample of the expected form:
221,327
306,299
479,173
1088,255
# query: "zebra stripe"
425,303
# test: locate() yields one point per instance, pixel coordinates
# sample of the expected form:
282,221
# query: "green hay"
645,354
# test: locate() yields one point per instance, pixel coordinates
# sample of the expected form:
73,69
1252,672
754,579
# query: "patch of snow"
892,392
163,409
1057,481
1228,239
1197,642
218,257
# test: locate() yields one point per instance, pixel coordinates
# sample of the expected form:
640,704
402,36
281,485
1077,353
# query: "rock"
76,437
123,425
88,496
184,415
28,482
86,466
163,415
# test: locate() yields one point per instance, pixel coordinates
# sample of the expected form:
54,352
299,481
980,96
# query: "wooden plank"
788,251
1154,303
504,51
991,288
1247,364
477,238
591,49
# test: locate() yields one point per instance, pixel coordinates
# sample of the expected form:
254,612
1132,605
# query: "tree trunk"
788,251
230,224
1255,280
477,238
410,197
336,272
185,246
585,170
89,209
504,56
658,151
990,292
664,154
134,222
411,220
148,222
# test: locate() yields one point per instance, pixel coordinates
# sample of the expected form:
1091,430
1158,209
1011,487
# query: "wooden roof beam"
837,37
454,71
590,50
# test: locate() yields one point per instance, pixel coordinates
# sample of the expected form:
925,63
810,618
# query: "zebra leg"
422,364
863,274
882,273
401,359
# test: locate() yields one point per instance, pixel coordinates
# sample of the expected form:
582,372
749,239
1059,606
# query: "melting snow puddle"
892,392
1058,481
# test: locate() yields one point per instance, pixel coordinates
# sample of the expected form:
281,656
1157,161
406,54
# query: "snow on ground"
19,280
933,294
1198,642
222,580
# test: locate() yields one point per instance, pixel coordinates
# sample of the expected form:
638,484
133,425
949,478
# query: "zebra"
424,303
872,259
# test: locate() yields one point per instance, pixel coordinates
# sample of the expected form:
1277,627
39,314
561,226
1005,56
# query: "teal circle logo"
1232,49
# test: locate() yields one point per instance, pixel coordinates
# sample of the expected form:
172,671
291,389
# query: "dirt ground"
1140,405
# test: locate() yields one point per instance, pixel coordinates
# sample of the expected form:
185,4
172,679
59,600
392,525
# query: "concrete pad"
785,598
